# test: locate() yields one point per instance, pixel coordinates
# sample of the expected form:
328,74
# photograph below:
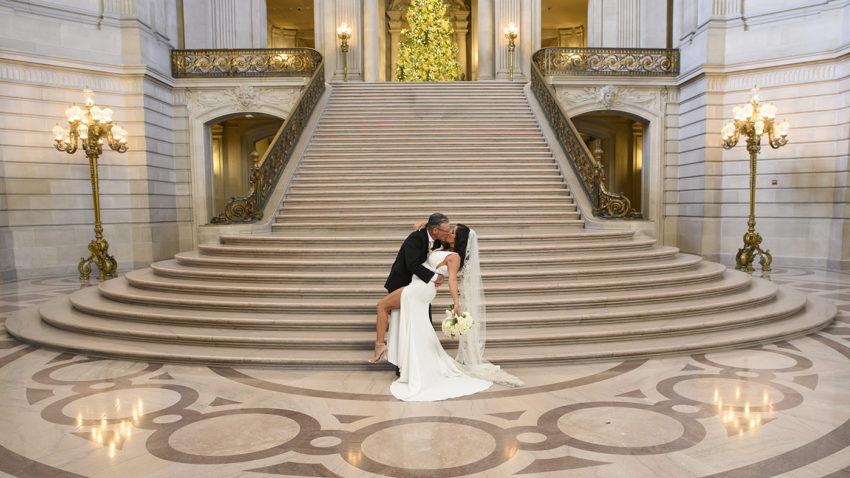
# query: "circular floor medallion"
425,446
234,434
620,427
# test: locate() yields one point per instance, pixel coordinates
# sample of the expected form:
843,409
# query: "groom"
414,251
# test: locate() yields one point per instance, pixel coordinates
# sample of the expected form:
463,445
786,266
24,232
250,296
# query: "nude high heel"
380,350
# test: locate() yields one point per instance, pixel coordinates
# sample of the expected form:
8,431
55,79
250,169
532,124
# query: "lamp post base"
747,254
106,264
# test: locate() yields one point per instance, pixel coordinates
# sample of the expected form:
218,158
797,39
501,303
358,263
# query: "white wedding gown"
427,373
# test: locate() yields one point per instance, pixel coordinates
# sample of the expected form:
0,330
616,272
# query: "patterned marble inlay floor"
777,410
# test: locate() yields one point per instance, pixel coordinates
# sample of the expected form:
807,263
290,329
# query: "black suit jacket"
411,255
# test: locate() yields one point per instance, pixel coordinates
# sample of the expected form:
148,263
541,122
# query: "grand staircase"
383,157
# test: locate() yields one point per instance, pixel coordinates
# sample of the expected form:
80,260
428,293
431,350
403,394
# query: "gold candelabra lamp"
344,33
752,120
91,126
511,32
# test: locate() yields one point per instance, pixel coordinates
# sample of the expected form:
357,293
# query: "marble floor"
776,410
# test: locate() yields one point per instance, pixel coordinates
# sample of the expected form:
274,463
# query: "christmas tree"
427,51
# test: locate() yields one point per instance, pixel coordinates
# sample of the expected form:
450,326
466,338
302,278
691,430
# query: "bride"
427,372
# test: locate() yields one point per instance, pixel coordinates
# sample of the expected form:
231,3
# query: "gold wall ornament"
566,61
344,33
753,120
266,171
224,63
511,33
89,126
589,170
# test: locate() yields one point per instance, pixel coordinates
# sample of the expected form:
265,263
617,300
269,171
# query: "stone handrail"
565,61
227,63
266,171
588,169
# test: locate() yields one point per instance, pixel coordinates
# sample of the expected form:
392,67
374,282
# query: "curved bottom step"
27,326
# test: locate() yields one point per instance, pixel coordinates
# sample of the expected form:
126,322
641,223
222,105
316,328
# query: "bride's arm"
453,264
419,225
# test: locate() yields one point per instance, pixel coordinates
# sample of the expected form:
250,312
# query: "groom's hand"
438,280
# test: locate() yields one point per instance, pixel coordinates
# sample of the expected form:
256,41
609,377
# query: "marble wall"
796,52
49,52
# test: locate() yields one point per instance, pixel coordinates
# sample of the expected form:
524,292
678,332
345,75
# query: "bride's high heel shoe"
380,350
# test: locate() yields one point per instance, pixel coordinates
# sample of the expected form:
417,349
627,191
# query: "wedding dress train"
427,372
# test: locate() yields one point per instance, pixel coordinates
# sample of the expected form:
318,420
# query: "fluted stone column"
371,30
526,15
486,49
460,23
395,23
226,24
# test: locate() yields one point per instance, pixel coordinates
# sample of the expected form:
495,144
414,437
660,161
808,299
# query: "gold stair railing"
556,61
227,63
265,172
593,61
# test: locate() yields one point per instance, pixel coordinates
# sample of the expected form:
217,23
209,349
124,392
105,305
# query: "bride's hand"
419,225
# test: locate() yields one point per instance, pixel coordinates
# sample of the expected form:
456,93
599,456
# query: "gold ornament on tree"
427,51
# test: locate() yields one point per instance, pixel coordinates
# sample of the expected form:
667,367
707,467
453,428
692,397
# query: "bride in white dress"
427,372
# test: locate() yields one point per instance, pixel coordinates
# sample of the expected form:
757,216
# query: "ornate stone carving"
610,96
243,97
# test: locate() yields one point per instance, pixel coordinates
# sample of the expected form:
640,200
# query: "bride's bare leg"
385,305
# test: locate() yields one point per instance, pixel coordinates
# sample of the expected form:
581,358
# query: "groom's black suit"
411,255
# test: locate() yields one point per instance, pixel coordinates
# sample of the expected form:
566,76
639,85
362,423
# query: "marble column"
349,11
461,28
486,36
525,14
395,23
371,30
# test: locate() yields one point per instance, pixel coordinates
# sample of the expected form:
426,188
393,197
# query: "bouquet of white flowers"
456,325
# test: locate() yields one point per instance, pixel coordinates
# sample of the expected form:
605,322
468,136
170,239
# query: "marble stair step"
476,219
520,335
367,249
460,124
346,167
404,194
318,147
120,290
90,301
382,264
503,239
413,134
445,183
319,227
27,324
411,215
172,268
504,128
427,175
498,291
375,201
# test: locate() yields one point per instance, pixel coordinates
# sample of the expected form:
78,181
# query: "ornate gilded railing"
607,61
242,63
588,169
266,171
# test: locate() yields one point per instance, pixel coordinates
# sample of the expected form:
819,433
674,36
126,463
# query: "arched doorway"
619,141
232,139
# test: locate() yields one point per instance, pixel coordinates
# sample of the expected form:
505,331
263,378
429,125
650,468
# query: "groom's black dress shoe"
397,372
